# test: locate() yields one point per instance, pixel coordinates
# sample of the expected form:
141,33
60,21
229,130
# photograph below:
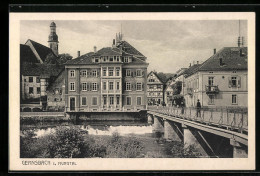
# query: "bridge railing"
233,119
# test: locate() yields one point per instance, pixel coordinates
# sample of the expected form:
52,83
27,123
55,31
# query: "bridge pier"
239,151
157,125
189,139
149,118
170,131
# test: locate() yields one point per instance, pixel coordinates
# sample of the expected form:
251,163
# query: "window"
104,72
38,90
210,81
30,90
111,71
125,59
128,100
138,72
30,79
72,73
151,80
94,73
94,101
117,58
37,79
24,80
111,100
84,101
159,86
96,59
139,100
211,99
128,72
117,100
234,99
84,86
117,71
72,86
128,86
159,93
105,100
94,86
151,87
234,81
111,85
117,85
84,73
104,85
55,99
111,59
139,86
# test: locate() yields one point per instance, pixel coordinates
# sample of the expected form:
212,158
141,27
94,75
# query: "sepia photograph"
132,89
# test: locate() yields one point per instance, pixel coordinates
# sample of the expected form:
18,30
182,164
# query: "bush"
123,148
177,150
36,110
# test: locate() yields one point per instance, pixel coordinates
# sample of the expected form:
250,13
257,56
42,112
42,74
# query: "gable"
153,76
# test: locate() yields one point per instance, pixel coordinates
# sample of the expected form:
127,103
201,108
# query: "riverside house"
110,79
219,81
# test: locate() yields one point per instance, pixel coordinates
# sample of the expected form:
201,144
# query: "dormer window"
111,59
96,59
126,59
117,58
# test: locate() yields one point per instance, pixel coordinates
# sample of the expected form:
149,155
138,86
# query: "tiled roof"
43,70
57,81
130,49
26,54
83,59
189,71
87,58
164,77
42,50
232,59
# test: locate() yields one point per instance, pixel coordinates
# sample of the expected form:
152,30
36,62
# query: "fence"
232,119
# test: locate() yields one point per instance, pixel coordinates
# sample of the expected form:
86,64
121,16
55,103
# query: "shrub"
177,150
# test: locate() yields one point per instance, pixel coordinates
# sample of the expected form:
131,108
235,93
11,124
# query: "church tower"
53,39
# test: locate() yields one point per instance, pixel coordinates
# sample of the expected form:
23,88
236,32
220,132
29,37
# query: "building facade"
221,81
154,89
110,79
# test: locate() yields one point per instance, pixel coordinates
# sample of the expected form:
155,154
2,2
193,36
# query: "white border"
137,163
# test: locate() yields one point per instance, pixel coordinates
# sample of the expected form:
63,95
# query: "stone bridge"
213,132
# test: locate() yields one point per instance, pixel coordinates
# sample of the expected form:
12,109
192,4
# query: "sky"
168,45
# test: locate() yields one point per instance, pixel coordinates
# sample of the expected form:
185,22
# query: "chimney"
95,49
114,41
197,62
78,53
190,64
215,50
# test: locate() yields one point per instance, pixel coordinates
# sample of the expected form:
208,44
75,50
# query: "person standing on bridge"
198,108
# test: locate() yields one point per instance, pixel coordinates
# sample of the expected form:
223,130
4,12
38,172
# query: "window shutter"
98,73
142,86
142,73
132,74
88,73
80,73
229,82
81,86
238,81
88,89
97,86
133,86
135,73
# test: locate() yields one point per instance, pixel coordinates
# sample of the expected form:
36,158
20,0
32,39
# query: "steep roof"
107,51
26,54
43,70
130,49
191,70
233,58
164,77
42,50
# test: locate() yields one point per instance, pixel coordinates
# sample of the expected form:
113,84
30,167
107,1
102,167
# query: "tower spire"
53,39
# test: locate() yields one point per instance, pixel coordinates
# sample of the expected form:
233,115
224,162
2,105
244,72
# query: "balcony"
212,89
190,91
